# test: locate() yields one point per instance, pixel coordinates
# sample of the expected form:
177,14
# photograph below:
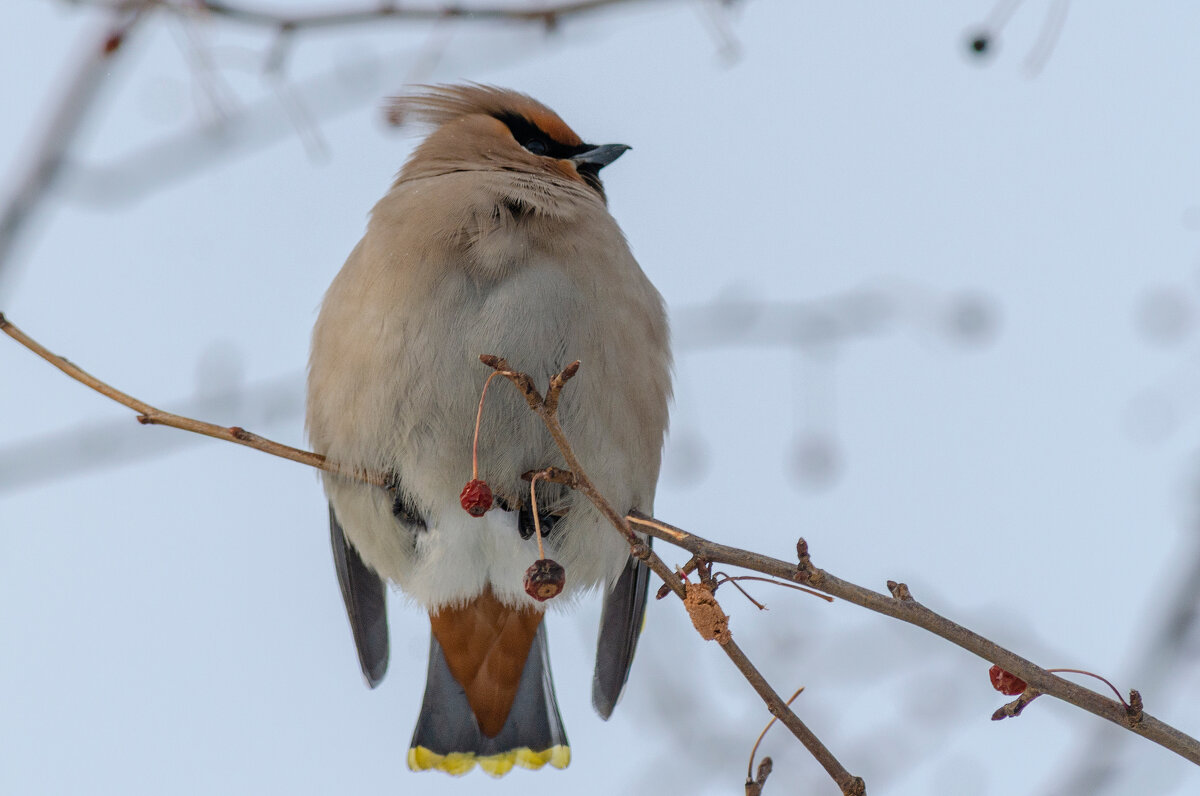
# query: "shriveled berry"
1005,683
476,497
545,579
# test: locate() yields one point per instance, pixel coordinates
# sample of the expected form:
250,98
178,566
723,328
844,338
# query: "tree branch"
906,609
900,605
151,416
547,409
43,165
546,13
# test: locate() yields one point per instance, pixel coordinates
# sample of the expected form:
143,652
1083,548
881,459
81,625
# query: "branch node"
754,786
900,591
494,362
855,787
706,614
1133,711
690,566
1014,708
557,382
555,475
805,571
520,380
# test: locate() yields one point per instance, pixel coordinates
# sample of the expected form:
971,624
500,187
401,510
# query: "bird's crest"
438,105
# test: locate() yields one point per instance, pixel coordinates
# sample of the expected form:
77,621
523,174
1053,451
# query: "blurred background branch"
822,328
236,127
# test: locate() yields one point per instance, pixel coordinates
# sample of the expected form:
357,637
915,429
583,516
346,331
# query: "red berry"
1005,683
545,579
476,497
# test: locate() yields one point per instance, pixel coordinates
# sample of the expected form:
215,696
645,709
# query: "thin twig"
914,613
694,327
735,578
1169,647
850,785
901,607
763,734
755,787
546,409
1052,28
149,415
547,14
1014,708
42,167
1098,677
746,594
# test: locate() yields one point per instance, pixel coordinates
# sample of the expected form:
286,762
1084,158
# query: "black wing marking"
525,523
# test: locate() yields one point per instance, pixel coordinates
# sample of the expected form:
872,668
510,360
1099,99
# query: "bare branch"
914,613
149,415
754,785
547,410
1014,708
840,319
42,166
546,13
704,552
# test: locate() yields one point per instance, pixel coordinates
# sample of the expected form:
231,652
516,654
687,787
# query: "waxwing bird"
495,238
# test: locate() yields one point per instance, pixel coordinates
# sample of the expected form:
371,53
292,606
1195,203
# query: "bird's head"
483,128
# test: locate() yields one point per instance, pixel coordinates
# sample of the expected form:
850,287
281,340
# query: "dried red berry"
1005,683
476,497
545,579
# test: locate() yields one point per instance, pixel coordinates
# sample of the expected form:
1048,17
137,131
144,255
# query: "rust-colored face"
555,128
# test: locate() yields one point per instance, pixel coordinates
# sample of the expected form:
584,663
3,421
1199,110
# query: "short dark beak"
599,157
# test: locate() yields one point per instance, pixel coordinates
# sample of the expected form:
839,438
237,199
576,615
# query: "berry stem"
537,523
723,578
478,421
1098,677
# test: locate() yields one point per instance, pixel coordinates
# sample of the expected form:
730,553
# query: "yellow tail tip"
459,763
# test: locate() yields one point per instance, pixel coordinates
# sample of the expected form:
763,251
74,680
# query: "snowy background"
935,312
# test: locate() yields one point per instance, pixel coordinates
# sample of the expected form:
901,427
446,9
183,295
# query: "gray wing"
620,626
365,597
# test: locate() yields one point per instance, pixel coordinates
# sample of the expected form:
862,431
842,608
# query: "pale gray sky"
171,623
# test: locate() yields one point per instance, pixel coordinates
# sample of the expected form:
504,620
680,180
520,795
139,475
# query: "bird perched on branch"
494,239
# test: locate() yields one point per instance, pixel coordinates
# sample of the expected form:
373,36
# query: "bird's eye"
537,146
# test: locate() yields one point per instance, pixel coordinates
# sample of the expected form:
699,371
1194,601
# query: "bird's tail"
448,737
